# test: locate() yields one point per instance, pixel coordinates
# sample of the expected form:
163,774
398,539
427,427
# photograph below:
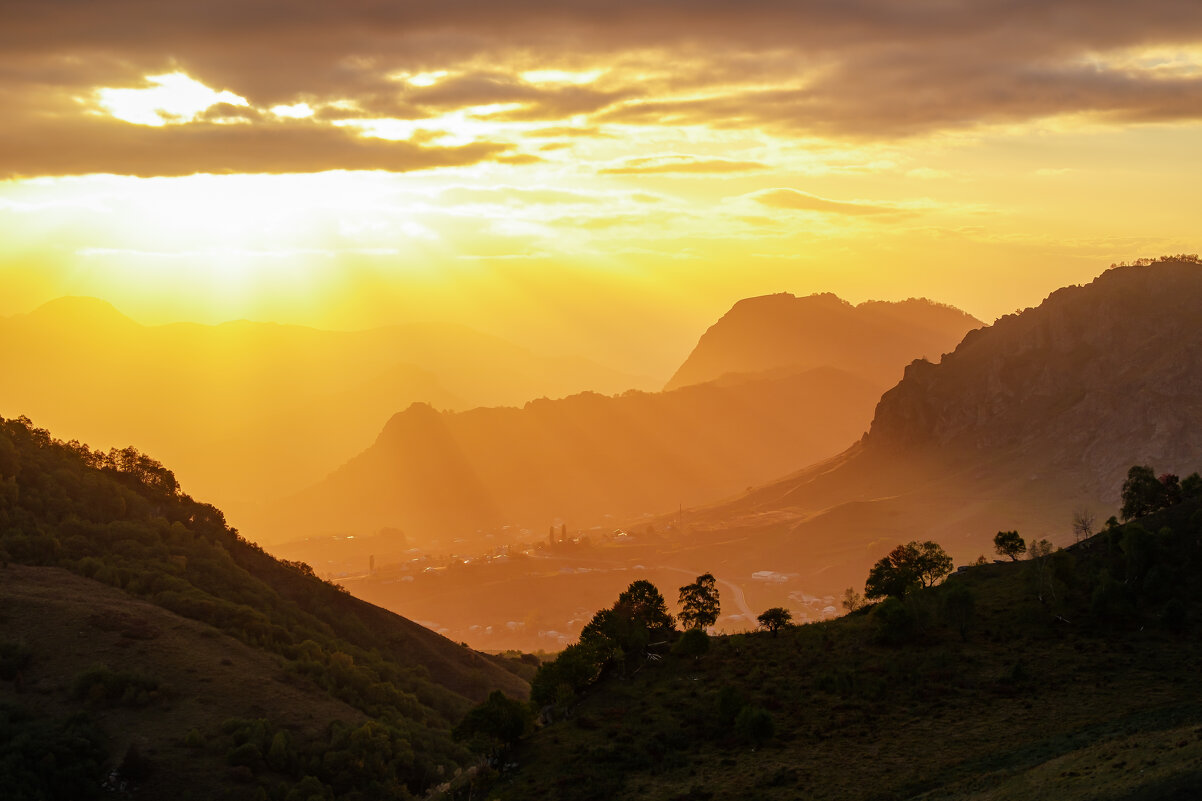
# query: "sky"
602,178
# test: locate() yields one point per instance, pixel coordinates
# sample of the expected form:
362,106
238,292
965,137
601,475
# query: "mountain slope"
778,381
1026,421
268,407
786,333
587,459
119,522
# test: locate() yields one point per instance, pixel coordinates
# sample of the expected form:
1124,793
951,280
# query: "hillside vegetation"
313,689
1071,675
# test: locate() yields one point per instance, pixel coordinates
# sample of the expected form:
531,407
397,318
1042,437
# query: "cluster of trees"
1144,492
906,568
620,636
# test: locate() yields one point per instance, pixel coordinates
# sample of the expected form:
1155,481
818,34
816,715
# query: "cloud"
683,165
794,200
864,70
99,145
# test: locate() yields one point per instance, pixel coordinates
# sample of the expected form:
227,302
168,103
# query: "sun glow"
171,98
296,111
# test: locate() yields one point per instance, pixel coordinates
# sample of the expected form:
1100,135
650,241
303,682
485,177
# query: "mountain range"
778,382
1026,424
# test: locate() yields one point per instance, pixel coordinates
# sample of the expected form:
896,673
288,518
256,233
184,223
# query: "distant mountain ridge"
586,459
784,332
247,410
592,460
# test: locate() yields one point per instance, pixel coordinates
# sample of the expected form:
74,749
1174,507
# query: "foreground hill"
1071,676
134,616
783,333
268,407
1027,421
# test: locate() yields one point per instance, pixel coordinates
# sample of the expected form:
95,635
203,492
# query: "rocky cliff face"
1096,378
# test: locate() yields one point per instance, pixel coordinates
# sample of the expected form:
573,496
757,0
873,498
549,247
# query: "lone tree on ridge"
699,603
1008,543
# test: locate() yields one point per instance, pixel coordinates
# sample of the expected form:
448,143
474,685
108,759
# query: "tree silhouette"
699,603
906,568
775,619
495,725
1008,543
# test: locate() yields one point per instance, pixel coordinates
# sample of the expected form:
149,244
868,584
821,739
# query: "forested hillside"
119,521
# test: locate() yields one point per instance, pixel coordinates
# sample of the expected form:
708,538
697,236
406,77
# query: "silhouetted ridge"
775,332
82,309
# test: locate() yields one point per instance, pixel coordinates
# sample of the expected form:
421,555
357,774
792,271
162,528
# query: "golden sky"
585,175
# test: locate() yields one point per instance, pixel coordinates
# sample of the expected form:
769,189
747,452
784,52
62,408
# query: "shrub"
100,684
894,622
694,642
754,725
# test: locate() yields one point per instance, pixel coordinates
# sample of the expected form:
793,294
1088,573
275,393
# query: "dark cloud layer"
868,69
98,145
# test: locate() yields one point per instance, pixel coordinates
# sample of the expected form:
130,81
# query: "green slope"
319,687
1076,677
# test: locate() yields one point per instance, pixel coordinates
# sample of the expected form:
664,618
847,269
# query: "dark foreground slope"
134,617
1073,676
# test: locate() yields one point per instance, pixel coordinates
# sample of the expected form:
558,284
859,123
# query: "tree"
1008,543
1040,549
495,725
629,626
906,568
1144,492
775,619
1191,486
642,602
1082,524
699,603
852,600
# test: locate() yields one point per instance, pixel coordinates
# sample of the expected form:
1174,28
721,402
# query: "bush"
694,642
754,725
894,622
100,684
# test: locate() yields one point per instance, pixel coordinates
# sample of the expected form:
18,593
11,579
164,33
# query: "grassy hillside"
1069,676
313,686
